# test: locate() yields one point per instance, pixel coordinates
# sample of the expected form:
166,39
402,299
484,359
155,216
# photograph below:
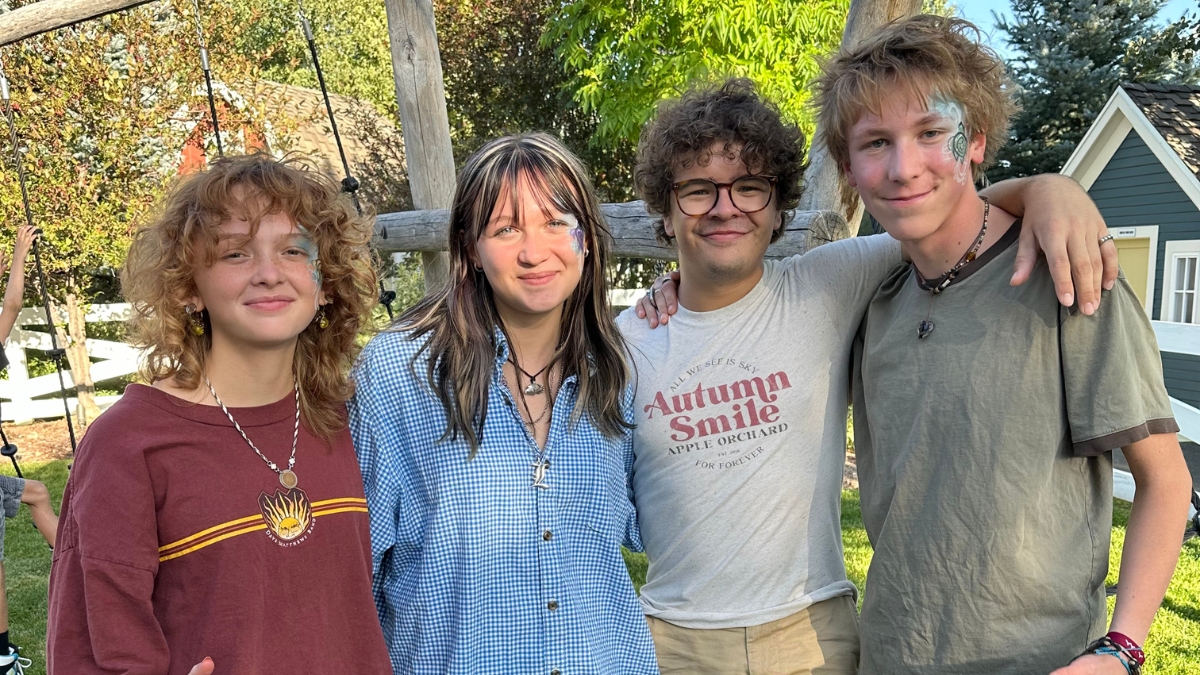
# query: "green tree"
351,38
624,57
501,80
1070,57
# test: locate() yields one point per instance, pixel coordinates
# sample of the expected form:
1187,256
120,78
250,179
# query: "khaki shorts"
820,640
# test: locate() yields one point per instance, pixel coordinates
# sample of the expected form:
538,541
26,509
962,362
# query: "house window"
1182,301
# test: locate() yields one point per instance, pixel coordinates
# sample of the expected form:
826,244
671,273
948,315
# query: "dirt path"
40,441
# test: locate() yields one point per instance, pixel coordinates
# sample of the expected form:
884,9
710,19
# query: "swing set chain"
212,103
350,184
55,351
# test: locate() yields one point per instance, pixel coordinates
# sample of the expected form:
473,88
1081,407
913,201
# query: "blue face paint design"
314,266
578,240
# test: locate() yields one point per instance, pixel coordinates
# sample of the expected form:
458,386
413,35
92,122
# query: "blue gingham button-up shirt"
476,570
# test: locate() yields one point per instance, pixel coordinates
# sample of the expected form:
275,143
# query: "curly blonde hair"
919,56
158,275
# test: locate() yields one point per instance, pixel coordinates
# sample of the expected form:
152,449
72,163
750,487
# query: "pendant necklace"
534,388
936,286
540,465
287,477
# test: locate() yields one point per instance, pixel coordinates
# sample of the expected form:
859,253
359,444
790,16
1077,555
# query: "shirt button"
556,671
552,605
546,535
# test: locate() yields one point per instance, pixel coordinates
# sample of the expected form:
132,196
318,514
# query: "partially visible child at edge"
985,414
16,491
492,425
217,516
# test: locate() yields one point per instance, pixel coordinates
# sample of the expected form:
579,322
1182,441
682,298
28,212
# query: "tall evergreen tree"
1070,57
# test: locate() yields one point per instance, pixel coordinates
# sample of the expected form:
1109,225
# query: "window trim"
1174,250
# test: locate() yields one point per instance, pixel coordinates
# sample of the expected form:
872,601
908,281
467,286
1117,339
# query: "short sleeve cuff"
1118,439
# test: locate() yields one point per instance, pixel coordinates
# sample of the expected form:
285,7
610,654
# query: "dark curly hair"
685,129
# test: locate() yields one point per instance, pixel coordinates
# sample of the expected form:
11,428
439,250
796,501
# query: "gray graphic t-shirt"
740,440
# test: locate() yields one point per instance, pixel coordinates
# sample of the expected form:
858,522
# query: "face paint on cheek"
956,143
578,241
314,268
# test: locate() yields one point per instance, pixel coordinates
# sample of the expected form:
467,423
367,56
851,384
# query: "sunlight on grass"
1172,649
1174,644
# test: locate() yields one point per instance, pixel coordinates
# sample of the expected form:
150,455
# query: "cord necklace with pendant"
941,283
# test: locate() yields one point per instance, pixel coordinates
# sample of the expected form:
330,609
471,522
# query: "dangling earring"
195,323
321,320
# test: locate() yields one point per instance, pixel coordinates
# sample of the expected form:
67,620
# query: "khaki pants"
820,640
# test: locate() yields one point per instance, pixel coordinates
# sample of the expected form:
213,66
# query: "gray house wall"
1135,190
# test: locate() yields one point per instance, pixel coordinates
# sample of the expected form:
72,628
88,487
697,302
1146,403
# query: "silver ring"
1107,237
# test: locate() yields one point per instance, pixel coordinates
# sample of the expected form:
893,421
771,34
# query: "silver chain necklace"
287,477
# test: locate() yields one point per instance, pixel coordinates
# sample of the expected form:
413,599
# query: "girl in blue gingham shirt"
492,427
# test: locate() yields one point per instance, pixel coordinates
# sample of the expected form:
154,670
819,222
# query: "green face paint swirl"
956,142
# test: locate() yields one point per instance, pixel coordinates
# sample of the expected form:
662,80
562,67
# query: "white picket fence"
28,398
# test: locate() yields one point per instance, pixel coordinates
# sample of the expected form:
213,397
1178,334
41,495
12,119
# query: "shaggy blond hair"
158,275
918,57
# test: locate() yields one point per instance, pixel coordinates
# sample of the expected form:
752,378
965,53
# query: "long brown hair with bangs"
461,317
158,275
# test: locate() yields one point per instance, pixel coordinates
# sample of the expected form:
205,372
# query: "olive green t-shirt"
985,466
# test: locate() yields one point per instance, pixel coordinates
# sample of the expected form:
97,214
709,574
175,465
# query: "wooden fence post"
417,67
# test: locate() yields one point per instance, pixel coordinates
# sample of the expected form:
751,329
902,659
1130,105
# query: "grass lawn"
1174,644
27,567
1173,647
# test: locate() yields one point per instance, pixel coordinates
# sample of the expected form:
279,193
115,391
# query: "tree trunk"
824,189
75,345
421,94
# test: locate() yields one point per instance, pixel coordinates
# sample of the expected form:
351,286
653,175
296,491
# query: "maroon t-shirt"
177,542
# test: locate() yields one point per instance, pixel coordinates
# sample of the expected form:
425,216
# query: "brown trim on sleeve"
1119,439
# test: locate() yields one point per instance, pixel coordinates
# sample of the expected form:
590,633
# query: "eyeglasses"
750,194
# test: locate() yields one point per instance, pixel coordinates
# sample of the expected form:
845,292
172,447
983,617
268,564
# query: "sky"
979,12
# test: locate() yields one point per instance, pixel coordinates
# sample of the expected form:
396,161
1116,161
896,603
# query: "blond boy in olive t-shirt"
984,413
